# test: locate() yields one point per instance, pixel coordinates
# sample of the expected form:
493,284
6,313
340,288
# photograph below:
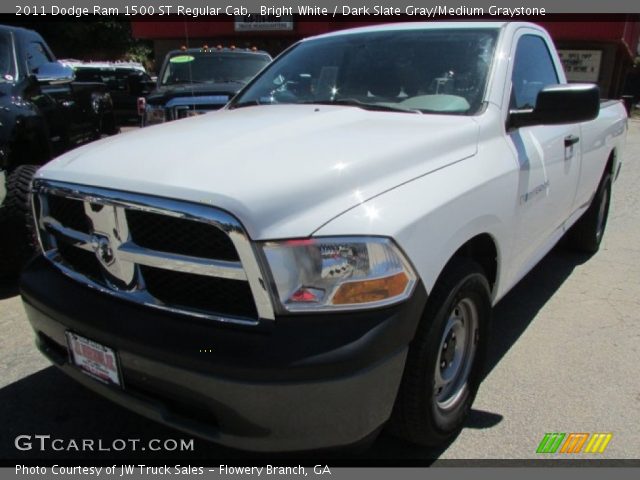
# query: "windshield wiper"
352,102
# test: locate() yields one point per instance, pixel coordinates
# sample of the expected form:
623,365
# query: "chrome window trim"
246,269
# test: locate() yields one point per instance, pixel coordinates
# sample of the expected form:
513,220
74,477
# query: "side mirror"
560,104
54,73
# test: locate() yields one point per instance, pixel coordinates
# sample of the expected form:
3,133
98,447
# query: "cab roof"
408,26
218,49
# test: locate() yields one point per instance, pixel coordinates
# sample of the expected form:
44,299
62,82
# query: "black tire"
424,414
587,233
17,241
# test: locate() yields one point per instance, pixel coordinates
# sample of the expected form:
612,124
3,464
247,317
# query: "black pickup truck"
43,112
198,80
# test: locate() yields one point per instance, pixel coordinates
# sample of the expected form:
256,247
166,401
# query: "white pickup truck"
320,258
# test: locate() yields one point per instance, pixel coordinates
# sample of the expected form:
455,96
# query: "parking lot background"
565,357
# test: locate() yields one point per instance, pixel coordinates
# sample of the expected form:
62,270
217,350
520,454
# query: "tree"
104,39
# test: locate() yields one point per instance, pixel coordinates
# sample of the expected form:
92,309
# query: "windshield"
435,71
6,57
212,67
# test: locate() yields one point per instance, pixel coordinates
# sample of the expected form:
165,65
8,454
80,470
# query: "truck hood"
282,170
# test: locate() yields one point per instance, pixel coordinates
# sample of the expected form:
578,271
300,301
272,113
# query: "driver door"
548,155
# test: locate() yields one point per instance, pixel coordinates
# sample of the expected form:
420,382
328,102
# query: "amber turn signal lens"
371,290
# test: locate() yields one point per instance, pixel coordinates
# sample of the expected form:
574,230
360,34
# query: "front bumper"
299,383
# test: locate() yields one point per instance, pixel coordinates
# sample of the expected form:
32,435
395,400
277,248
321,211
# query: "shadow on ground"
49,403
519,307
8,289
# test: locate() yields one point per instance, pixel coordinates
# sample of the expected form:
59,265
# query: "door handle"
570,140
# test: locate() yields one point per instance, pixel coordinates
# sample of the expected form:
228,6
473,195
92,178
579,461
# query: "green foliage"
108,39
139,52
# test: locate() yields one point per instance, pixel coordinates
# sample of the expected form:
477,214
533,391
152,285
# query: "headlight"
338,273
154,114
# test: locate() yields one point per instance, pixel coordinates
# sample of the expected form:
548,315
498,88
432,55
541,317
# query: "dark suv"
197,80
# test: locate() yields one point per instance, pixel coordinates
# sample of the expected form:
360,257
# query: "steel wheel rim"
456,354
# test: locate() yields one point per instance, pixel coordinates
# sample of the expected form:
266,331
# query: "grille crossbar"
130,252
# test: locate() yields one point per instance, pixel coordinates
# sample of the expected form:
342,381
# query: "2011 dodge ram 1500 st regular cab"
333,270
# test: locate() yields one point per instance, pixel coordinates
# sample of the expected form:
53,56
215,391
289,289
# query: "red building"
593,51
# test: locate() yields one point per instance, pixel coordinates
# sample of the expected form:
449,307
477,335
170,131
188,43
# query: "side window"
532,71
36,56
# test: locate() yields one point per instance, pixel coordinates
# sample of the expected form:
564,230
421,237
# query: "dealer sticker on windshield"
94,359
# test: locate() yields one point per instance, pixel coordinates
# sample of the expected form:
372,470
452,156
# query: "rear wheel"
446,358
17,240
587,233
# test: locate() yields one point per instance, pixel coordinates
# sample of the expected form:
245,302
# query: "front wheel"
446,358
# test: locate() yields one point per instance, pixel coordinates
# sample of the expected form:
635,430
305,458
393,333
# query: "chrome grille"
196,291
163,253
69,212
177,235
185,111
183,107
79,260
